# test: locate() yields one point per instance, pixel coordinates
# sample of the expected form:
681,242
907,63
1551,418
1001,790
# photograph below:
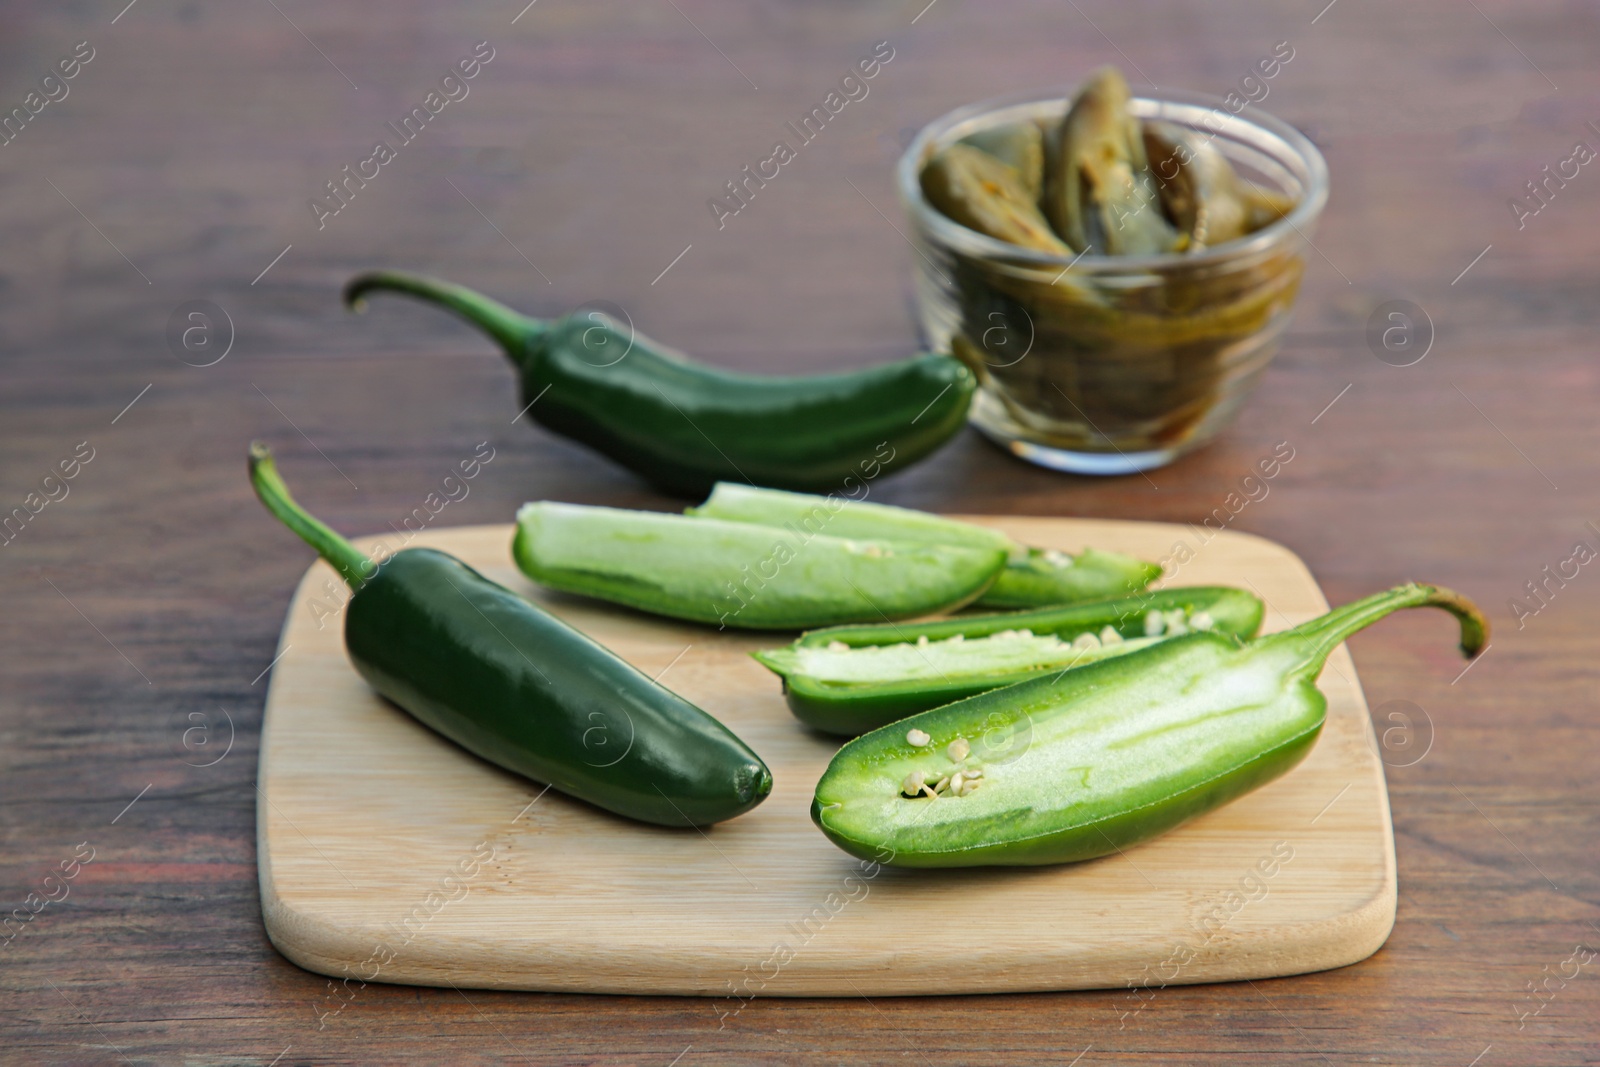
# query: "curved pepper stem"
1322,635
344,557
512,330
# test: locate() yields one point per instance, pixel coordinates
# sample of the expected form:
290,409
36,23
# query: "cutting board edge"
324,947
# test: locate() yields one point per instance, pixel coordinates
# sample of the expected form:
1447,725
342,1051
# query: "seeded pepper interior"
1092,759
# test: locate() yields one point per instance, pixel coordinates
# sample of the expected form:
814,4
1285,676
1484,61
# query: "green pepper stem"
512,330
1322,635
344,557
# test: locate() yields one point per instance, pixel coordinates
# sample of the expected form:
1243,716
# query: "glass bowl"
1103,364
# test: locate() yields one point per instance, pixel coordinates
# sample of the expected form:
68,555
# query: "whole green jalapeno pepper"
684,426
1089,761
851,679
522,689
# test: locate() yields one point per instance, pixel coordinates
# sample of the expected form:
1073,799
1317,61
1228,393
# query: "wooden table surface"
143,606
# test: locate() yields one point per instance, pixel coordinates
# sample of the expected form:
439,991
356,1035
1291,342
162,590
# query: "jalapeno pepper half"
522,689
683,426
1090,761
851,679
739,575
1033,577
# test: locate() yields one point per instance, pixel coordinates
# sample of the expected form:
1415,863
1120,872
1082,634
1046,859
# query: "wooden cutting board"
388,854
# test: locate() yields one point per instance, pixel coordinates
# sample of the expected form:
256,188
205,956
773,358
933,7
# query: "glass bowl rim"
959,237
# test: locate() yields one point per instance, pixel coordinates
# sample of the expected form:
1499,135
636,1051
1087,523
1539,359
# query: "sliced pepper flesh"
850,679
1033,577
1039,576
1091,761
837,516
736,574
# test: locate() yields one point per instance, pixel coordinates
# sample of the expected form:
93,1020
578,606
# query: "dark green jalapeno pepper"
1090,761
522,689
851,679
684,426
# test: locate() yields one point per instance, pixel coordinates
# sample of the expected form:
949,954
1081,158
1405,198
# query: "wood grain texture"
365,812
193,142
